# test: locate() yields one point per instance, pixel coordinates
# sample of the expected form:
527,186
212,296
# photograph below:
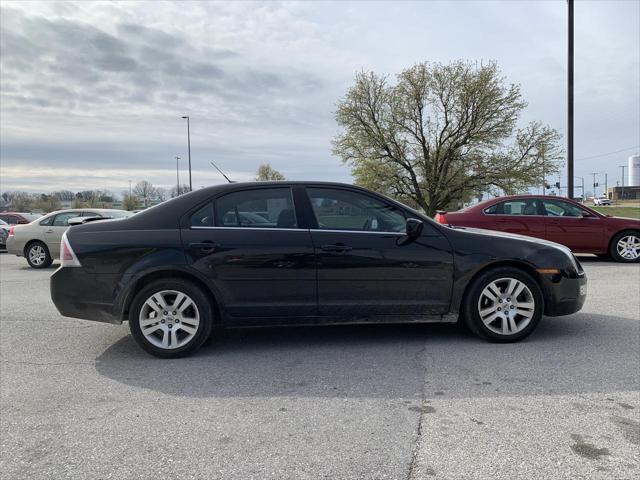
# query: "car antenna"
221,172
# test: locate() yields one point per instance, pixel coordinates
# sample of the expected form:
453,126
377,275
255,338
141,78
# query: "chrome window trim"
297,229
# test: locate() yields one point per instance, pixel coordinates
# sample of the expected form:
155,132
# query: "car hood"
515,236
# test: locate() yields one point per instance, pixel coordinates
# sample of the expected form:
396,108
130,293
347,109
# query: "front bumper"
79,294
565,293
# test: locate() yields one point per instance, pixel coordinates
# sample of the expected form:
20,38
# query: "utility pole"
595,184
582,178
189,146
177,177
622,193
570,102
606,190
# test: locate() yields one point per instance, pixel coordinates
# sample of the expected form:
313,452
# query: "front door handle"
204,247
336,247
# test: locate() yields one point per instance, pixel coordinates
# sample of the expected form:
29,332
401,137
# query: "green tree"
441,134
266,173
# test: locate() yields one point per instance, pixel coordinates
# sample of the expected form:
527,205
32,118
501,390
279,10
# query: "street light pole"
570,102
595,184
189,146
622,192
177,177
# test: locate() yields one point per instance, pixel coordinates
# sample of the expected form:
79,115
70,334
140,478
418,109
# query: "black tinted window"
260,208
492,210
337,209
203,217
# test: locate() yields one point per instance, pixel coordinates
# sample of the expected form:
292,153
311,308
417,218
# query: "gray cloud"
94,87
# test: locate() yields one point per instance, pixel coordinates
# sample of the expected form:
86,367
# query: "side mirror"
414,227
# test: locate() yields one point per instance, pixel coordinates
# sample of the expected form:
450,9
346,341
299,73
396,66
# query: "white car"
39,241
601,201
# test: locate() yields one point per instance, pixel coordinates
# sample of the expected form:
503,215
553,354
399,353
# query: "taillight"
440,218
11,231
67,255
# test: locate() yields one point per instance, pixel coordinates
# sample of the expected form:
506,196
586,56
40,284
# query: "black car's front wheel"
503,305
171,318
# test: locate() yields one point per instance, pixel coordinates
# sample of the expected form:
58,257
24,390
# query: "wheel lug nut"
499,300
173,313
162,321
508,299
170,325
512,307
164,313
499,309
177,321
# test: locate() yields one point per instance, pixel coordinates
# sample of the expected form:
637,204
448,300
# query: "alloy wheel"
169,319
628,247
37,255
506,306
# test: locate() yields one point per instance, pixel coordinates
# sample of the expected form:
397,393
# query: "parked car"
601,201
332,253
4,233
15,218
560,220
39,241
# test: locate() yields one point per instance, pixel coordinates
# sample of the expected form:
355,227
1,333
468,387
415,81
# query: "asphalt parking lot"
80,400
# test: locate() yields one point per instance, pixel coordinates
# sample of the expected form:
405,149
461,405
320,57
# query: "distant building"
634,171
624,193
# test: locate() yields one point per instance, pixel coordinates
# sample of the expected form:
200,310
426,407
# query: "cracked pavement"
81,400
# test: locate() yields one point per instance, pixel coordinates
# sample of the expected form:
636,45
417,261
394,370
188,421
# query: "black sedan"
299,253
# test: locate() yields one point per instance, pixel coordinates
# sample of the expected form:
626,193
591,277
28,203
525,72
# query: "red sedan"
557,219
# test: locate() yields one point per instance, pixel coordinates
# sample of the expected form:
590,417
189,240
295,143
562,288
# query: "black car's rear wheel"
503,305
171,318
38,255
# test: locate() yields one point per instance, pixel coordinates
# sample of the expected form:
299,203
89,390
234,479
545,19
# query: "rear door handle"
336,248
204,247
48,231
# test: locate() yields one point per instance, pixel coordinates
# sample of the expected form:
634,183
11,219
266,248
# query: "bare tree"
145,191
442,133
177,191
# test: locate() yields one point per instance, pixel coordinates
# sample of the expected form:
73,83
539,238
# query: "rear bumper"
79,294
565,295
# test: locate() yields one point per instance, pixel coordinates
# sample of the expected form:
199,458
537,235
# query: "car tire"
625,247
37,255
171,318
486,317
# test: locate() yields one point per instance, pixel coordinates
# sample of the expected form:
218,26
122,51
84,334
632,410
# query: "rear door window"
203,217
259,208
62,219
528,206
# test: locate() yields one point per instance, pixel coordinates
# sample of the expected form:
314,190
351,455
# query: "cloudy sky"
92,93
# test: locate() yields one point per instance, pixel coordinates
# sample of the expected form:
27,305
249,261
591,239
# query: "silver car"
39,241
4,233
